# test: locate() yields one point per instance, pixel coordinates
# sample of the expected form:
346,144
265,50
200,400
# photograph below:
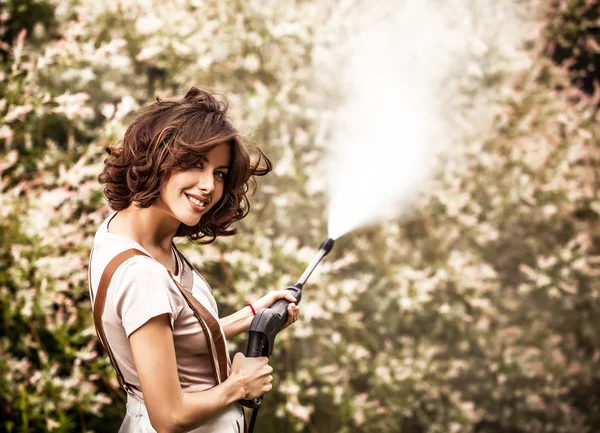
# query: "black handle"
256,347
268,323
263,329
252,404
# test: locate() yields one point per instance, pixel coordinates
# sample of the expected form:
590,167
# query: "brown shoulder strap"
220,362
212,331
217,344
99,307
210,326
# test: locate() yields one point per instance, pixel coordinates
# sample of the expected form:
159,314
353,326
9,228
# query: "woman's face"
189,194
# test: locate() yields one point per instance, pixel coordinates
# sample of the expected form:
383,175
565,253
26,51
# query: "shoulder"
142,289
143,268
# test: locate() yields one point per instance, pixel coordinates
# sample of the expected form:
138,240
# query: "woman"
182,170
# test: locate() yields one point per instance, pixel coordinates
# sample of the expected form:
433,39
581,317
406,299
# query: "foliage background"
479,312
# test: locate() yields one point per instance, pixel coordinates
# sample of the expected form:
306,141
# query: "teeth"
196,201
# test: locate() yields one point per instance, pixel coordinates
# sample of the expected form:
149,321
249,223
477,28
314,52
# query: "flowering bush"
476,313
573,41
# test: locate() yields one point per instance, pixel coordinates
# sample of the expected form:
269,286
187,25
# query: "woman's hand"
253,375
270,298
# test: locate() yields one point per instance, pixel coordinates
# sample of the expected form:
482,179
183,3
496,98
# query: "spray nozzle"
327,245
324,249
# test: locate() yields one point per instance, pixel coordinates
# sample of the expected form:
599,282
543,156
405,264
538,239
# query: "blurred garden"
477,312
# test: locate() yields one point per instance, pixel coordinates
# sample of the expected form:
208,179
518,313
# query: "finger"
291,312
289,321
288,296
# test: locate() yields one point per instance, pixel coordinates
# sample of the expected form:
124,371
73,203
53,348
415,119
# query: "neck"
151,227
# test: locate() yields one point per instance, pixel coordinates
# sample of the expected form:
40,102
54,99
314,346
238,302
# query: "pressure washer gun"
268,322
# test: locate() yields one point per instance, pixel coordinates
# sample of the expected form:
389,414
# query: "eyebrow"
203,158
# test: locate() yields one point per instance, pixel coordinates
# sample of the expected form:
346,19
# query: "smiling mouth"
196,201
197,205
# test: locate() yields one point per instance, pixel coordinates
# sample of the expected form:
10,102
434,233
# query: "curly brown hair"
172,135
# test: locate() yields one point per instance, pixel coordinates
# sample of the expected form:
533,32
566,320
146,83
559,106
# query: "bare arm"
237,322
240,321
169,408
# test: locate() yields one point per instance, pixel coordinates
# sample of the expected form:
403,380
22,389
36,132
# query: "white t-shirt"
141,289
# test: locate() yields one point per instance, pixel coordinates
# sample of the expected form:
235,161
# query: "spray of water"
398,78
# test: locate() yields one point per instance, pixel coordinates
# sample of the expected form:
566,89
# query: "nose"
206,183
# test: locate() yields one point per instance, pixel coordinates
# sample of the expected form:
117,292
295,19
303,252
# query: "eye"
221,175
199,165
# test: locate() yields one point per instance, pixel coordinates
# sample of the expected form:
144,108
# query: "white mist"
398,79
